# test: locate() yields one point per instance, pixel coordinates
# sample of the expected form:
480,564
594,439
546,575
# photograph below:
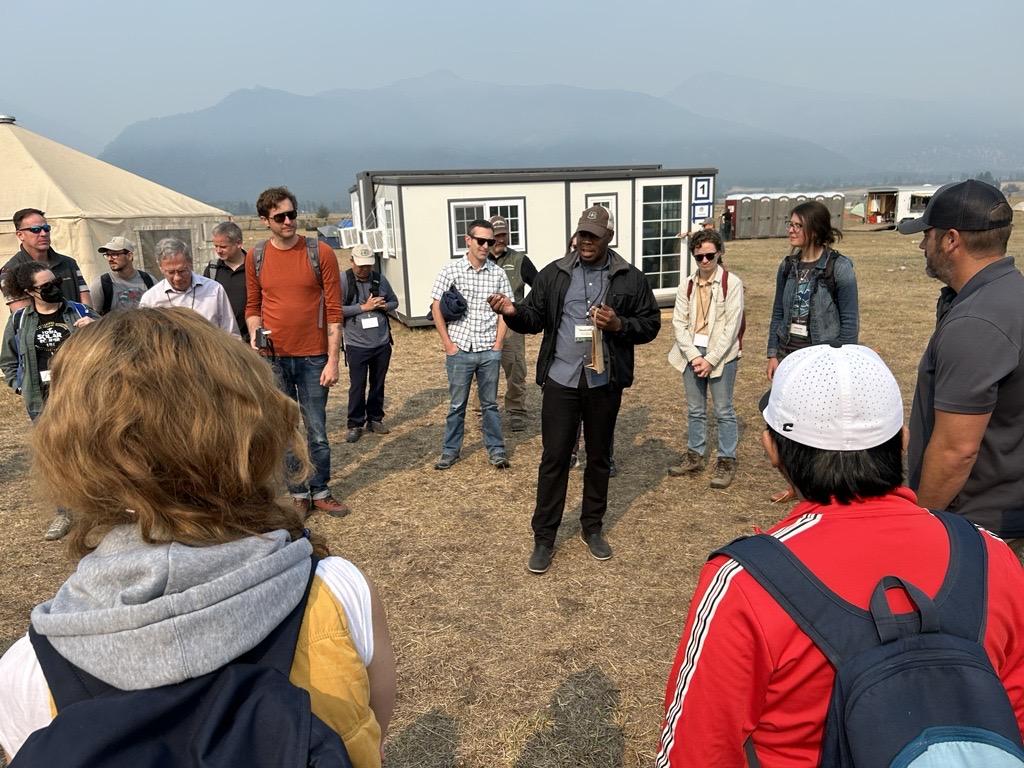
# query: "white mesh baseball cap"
835,397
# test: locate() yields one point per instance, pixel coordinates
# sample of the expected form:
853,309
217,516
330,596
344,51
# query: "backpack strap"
277,650
837,628
313,254
107,287
350,286
725,283
147,279
210,270
963,597
258,251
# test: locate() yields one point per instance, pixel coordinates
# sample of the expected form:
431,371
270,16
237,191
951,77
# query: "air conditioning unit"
374,238
350,236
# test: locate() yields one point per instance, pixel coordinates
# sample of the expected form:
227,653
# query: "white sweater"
724,317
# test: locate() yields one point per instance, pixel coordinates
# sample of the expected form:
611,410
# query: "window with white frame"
462,212
609,200
662,223
389,229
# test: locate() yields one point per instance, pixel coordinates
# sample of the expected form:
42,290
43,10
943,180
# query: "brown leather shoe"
331,506
302,506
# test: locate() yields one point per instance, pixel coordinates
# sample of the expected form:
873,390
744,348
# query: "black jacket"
628,294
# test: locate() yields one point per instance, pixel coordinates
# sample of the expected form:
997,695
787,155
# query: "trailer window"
462,212
662,218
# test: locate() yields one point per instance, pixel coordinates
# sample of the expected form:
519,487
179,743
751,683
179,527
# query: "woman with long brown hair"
815,292
167,438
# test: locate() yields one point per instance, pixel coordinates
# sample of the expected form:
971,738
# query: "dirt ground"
497,667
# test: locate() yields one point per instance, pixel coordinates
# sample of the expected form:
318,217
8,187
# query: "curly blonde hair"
157,418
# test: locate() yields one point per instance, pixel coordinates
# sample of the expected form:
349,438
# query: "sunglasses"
488,241
705,256
36,229
55,283
280,217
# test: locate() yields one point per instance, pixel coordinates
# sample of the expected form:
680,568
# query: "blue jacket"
829,320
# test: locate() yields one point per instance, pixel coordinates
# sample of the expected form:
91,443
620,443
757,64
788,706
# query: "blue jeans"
461,368
299,378
697,409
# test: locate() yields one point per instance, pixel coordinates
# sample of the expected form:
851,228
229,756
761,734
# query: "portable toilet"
783,205
836,203
764,216
745,221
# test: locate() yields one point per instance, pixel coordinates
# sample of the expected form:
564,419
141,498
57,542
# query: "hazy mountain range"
757,133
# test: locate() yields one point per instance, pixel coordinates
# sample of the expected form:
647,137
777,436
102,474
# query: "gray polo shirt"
366,329
587,288
974,364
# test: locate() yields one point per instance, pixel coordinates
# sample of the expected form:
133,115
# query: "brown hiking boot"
331,506
725,473
693,462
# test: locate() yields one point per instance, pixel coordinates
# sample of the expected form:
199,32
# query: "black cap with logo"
967,206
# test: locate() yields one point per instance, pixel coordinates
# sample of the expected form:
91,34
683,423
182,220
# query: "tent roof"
40,173
1019,206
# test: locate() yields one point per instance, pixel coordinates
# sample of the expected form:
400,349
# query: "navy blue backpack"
912,690
247,713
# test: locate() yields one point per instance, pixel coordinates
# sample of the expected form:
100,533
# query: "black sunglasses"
705,256
36,229
488,241
280,217
55,283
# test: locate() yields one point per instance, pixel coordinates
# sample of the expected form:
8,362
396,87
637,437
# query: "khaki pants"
513,363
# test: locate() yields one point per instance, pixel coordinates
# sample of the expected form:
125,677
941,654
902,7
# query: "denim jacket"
827,321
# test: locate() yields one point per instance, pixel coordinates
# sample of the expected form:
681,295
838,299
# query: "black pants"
362,361
562,411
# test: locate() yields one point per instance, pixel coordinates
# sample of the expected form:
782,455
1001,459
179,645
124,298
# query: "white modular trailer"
891,205
416,220
766,214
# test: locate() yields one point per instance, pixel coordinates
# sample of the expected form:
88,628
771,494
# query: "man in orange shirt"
293,296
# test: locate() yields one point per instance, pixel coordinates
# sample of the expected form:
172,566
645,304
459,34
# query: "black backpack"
912,690
247,713
107,285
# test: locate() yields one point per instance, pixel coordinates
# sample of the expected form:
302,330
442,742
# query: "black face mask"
51,294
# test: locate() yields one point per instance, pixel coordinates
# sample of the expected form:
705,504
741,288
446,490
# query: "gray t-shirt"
125,295
974,364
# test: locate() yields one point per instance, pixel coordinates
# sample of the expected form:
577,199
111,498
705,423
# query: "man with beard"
590,301
123,286
967,423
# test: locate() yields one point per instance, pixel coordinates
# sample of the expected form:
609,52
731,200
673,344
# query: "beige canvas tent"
88,202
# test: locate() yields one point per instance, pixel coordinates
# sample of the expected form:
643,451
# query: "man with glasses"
122,287
293,310
182,287
593,307
966,426
472,343
34,235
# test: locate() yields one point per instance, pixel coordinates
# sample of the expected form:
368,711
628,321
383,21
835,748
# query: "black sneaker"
377,427
540,560
499,460
353,434
446,461
574,461
598,547
612,469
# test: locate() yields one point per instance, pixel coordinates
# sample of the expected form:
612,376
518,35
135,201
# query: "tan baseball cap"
500,225
118,244
362,255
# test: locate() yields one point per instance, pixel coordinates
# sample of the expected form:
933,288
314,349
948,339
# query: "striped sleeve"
721,672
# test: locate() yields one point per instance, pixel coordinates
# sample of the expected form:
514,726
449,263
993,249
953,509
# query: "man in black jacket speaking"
593,308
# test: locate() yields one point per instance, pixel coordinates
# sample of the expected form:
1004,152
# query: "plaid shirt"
478,328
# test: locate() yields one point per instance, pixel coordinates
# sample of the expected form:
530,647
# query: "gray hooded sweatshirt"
138,615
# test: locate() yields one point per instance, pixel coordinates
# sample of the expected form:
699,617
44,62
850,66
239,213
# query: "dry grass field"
498,667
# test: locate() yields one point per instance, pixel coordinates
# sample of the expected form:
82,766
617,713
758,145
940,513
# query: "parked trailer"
891,205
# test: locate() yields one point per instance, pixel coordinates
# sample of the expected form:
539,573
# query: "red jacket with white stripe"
745,670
